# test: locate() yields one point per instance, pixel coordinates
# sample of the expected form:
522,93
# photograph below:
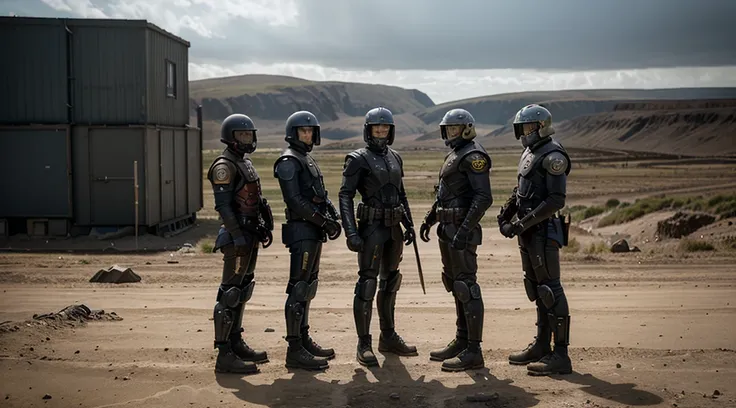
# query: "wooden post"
135,198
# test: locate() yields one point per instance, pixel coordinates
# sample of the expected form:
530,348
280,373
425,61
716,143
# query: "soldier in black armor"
376,171
247,222
529,214
310,220
463,196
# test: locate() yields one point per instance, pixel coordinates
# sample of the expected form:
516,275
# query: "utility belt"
451,215
388,216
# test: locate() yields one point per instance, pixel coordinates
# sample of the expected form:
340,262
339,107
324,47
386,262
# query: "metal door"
111,155
168,198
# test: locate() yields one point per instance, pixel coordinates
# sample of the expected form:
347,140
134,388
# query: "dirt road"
646,331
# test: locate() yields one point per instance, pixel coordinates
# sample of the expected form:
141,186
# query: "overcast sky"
450,49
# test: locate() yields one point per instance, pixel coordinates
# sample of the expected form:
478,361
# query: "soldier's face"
380,131
305,134
244,136
453,131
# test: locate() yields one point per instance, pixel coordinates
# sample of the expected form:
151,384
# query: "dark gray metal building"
80,101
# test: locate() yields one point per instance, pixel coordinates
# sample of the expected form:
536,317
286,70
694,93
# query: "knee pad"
464,292
447,282
312,291
300,291
531,289
230,297
391,285
546,295
247,292
365,289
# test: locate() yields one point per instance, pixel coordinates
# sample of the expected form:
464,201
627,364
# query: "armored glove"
409,236
355,243
333,229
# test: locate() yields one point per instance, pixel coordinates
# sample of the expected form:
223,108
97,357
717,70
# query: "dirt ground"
647,330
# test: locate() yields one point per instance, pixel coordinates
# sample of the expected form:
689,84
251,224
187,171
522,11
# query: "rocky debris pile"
622,246
115,274
79,313
682,224
70,316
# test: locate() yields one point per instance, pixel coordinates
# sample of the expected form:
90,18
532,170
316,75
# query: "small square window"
170,79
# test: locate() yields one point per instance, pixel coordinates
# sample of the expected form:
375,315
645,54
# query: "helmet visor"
453,131
245,137
380,131
525,129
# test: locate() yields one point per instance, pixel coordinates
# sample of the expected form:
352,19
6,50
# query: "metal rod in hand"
419,266
135,198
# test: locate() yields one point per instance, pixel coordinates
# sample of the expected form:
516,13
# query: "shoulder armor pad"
286,168
477,162
222,173
353,163
556,163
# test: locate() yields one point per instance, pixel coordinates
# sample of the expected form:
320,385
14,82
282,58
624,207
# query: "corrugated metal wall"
169,173
163,109
173,173
33,80
36,170
103,174
109,65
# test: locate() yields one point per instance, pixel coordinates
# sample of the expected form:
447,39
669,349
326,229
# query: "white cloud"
445,86
206,18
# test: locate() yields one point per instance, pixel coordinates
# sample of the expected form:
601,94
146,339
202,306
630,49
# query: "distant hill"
500,109
696,121
271,97
685,127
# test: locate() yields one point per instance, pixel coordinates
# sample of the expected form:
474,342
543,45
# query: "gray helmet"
537,115
302,119
458,117
238,122
378,116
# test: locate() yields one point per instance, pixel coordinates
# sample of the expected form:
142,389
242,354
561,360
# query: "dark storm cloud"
463,34
552,34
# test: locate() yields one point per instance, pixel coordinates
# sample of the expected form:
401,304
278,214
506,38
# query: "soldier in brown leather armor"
463,196
247,222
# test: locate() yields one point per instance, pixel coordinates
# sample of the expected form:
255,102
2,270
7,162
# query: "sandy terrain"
647,330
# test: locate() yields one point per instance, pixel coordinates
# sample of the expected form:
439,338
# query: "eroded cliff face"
690,128
328,101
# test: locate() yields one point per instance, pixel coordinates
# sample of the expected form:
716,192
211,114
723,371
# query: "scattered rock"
716,392
683,223
618,365
172,262
47,397
269,330
620,246
394,396
115,274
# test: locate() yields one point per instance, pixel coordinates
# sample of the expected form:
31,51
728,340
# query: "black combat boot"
244,352
455,347
540,347
556,362
365,354
391,342
298,357
468,359
315,349
228,362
